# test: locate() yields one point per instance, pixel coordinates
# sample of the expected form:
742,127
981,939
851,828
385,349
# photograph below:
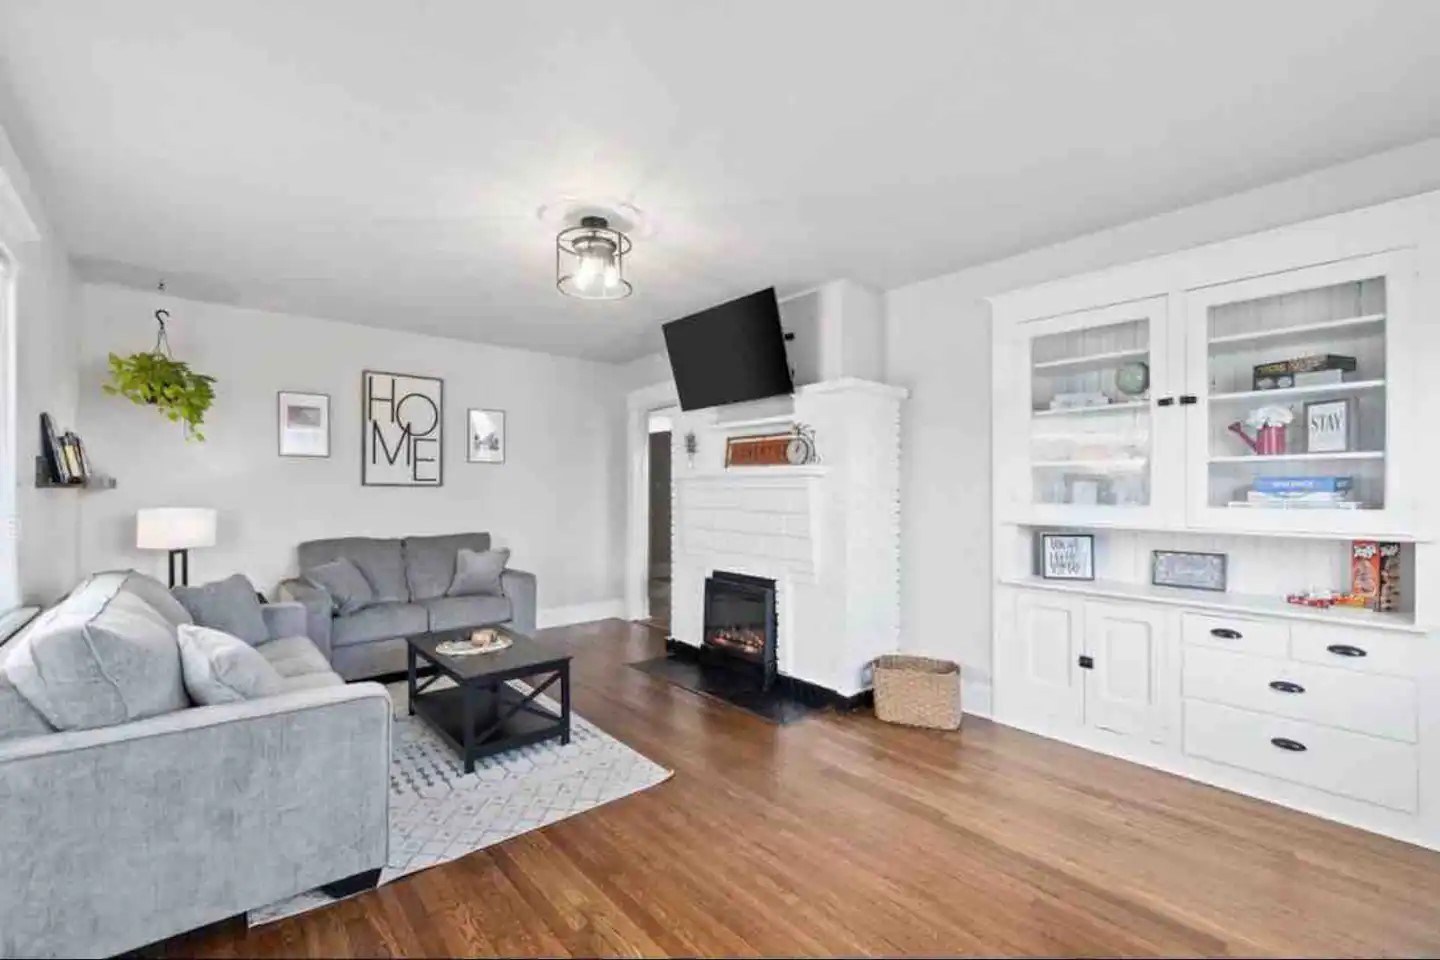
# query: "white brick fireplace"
828,534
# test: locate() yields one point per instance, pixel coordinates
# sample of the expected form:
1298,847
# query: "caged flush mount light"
590,261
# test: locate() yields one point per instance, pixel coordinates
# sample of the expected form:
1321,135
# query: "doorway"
660,431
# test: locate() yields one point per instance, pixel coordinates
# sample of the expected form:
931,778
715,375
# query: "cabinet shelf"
1117,465
1301,457
1128,405
1332,389
1242,603
1298,331
1109,358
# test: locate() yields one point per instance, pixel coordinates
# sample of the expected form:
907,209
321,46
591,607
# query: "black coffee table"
482,714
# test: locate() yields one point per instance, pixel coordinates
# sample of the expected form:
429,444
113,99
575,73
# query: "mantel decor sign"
1067,556
793,449
1180,568
402,422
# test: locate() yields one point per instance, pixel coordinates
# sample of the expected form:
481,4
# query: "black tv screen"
730,353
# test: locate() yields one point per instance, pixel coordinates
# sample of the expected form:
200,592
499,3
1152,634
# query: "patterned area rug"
438,812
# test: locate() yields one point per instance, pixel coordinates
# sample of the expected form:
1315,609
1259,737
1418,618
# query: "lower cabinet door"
1045,687
1123,668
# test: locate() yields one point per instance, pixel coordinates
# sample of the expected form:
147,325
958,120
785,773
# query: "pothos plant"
155,378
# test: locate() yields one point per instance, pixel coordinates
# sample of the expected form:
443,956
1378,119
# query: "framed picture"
1067,556
1180,568
303,424
1329,426
485,441
402,426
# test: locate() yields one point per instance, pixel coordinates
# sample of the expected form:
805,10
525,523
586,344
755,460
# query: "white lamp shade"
174,528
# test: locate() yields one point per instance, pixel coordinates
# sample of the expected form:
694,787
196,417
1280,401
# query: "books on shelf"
1307,491
1323,368
1306,484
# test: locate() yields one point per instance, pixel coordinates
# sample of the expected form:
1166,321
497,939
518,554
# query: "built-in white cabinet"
1262,403
1077,663
1270,398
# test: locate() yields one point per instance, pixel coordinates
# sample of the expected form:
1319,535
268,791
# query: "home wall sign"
402,422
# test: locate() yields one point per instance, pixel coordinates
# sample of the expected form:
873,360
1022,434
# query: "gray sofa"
128,816
409,577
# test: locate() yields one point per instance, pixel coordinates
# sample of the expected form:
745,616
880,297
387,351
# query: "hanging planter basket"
156,379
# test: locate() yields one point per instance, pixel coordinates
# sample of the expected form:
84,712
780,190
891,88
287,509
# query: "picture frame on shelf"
1189,569
485,436
1330,426
302,426
1067,556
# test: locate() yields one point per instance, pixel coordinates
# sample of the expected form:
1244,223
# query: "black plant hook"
162,340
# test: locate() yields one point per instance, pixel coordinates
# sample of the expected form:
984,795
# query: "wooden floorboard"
842,835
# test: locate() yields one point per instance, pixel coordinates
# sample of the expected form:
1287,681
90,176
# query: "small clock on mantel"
793,449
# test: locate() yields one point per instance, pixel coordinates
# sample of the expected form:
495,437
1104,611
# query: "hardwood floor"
841,835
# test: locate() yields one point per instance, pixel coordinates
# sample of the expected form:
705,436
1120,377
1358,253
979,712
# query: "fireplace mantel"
828,533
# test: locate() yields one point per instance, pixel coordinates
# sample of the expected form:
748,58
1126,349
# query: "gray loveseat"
409,577
128,816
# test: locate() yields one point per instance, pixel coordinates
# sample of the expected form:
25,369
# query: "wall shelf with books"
45,481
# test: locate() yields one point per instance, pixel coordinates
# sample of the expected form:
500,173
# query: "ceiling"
383,162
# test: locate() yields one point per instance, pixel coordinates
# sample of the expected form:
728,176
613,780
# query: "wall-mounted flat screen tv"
730,353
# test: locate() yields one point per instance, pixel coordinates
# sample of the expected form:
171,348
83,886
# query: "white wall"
938,345
557,501
46,341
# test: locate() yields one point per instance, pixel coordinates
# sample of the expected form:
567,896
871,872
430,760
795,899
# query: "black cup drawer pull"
1285,743
1225,633
1286,686
1345,650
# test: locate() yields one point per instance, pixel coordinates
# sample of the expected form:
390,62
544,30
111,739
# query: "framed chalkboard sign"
1179,568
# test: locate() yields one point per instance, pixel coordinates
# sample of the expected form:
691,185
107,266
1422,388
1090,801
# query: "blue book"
1302,484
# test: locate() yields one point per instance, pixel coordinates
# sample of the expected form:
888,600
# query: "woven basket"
917,691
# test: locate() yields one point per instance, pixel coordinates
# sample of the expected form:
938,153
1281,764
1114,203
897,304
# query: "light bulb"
589,267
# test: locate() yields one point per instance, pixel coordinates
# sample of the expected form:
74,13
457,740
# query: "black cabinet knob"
1188,399
1225,633
1285,743
1286,686
1087,663
1165,402
1345,650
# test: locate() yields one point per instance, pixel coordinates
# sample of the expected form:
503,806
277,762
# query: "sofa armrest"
319,610
519,587
118,837
285,619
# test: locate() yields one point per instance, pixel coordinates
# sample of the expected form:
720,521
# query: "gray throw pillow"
346,584
477,573
230,605
219,668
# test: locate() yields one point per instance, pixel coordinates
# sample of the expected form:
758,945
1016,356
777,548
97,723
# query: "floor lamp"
178,530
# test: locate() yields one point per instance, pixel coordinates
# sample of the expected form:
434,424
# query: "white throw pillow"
220,668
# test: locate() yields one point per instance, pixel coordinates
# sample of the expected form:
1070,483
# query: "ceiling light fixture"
590,261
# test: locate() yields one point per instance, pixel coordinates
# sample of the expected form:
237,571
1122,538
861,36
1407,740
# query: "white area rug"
438,812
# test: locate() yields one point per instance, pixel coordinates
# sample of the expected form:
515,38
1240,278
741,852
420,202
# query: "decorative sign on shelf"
1067,556
1329,426
772,450
1180,568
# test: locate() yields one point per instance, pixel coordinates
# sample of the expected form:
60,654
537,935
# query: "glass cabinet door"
1292,425
1091,378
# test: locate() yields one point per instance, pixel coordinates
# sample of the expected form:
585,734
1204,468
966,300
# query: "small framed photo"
1067,556
485,436
1329,426
303,425
1180,568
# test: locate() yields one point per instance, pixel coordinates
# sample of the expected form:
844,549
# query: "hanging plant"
157,379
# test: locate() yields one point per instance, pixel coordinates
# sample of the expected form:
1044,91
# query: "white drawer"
1377,771
1267,638
1368,651
1381,706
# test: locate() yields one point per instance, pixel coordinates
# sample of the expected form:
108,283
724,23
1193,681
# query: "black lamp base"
183,567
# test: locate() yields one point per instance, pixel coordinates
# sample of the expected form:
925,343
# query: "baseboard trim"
810,694
548,617
975,697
